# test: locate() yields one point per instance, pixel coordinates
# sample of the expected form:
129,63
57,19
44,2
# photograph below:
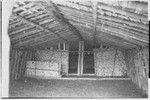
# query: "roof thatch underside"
41,24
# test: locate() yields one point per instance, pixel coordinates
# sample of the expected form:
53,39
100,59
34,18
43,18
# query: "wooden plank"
107,36
38,26
41,34
123,12
78,17
121,33
30,10
38,37
109,18
17,65
23,35
36,14
21,29
106,7
29,5
14,65
24,64
11,26
38,17
59,17
125,27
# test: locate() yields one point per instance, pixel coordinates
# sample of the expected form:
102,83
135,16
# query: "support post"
64,46
80,58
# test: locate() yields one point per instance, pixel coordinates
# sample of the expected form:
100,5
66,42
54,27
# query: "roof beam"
59,17
38,26
95,14
20,29
95,21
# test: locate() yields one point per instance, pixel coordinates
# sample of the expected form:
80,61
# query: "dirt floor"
29,87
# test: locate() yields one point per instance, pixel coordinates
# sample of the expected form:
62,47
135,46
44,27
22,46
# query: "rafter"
25,34
15,24
38,26
95,14
36,14
22,28
29,5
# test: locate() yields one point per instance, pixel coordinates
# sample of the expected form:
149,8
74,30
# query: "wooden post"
64,46
80,58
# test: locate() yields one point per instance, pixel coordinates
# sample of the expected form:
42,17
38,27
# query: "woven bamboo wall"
138,67
60,57
109,62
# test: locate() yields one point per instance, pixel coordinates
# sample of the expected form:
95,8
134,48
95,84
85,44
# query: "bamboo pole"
82,56
79,59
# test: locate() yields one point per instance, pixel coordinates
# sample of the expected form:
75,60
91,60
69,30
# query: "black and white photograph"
74,49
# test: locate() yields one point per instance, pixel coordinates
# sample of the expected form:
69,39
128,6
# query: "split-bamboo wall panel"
109,63
138,67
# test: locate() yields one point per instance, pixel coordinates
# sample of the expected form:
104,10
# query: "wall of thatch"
109,62
138,67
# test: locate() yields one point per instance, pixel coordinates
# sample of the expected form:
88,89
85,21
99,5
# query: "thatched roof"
45,23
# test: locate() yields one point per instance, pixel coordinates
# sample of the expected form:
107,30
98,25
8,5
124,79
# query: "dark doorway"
88,63
73,62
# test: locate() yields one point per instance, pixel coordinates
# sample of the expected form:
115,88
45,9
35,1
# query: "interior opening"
88,63
73,62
